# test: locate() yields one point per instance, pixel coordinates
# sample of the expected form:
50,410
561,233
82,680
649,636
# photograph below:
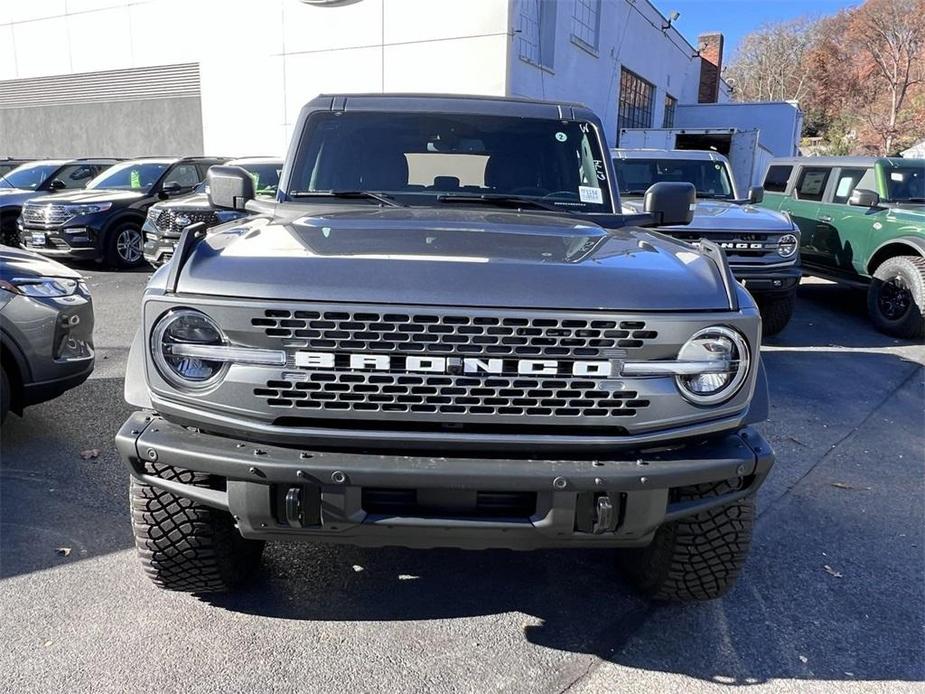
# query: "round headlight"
719,359
787,245
186,327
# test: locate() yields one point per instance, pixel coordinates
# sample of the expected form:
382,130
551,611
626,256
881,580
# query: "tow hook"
604,518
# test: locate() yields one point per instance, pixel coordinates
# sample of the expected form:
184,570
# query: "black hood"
16,262
451,257
86,197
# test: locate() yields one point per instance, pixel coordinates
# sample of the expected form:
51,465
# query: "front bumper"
284,493
78,240
159,245
768,281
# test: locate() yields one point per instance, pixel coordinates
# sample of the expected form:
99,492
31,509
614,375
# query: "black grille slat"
455,334
449,394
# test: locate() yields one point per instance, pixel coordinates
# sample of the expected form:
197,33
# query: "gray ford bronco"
443,333
762,246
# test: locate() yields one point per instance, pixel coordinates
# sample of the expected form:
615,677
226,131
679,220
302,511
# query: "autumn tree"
768,65
890,67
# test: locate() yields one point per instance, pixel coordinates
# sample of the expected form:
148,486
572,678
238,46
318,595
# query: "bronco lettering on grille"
457,365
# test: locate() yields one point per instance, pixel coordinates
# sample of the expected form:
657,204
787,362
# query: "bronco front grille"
365,393
455,333
741,247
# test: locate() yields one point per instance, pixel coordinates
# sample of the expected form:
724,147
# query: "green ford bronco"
863,222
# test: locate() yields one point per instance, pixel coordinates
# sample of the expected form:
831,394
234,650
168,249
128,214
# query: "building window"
636,96
586,22
670,105
537,31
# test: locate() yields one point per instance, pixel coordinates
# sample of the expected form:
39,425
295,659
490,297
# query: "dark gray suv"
46,329
443,332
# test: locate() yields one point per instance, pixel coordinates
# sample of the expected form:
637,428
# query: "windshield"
29,176
906,183
266,177
710,178
133,175
419,158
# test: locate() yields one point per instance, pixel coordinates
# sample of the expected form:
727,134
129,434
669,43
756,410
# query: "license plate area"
38,238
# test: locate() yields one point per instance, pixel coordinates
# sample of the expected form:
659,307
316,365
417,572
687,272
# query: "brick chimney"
711,65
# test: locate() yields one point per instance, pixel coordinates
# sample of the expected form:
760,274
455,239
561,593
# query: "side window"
204,169
76,176
848,180
812,182
185,175
776,179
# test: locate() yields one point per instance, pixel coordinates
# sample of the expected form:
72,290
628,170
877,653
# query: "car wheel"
125,246
4,395
896,297
698,557
187,546
775,313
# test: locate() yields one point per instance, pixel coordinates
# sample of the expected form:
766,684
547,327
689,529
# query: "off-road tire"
112,255
911,271
775,313
5,395
187,546
698,557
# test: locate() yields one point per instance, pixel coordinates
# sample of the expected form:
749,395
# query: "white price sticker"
590,194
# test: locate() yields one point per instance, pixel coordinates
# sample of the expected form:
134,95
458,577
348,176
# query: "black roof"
451,103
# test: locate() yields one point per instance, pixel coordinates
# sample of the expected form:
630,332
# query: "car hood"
450,257
15,197
17,262
719,215
192,202
86,197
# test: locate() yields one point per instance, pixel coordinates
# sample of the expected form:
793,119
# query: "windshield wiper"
502,201
381,198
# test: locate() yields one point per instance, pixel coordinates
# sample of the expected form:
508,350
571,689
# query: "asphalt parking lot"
832,598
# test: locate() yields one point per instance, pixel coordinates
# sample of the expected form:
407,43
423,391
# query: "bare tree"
770,62
891,37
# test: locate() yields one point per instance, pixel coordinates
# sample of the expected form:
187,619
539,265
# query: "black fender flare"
916,244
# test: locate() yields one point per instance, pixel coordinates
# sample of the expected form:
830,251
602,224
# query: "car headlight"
787,245
80,210
180,344
44,287
718,358
153,214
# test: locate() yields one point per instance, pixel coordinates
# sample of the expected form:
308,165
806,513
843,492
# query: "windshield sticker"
135,178
590,194
599,169
561,136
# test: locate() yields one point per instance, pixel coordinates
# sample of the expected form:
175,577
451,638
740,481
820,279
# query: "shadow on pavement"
832,314
56,507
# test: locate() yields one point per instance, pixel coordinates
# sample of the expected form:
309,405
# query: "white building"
228,77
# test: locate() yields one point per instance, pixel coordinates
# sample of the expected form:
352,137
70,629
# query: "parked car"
104,221
863,223
166,220
443,332
46,330
7,164
762,246
41,178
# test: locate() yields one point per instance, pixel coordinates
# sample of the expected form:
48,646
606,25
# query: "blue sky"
735,18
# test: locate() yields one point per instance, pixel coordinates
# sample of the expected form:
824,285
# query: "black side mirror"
755,194
230,187
57,184
864,198
671,203
168,189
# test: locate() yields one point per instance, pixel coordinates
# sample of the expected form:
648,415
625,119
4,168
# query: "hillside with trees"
858,75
